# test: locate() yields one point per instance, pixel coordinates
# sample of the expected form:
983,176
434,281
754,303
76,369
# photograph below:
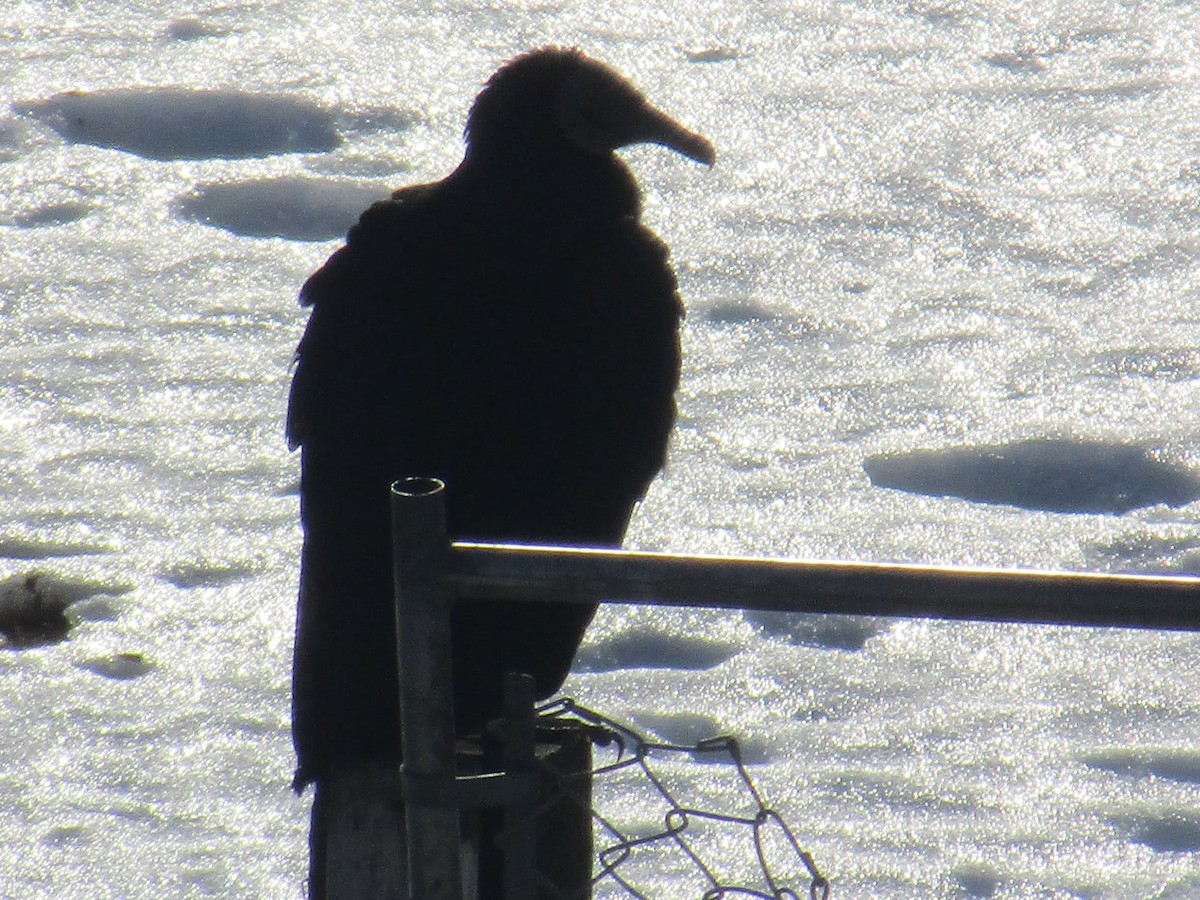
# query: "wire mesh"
674,848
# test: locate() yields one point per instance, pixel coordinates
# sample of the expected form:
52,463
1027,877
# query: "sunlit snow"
933,230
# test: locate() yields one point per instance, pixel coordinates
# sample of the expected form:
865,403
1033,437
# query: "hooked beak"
656,127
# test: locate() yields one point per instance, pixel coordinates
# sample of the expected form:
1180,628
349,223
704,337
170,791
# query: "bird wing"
500,366
353,296
533,371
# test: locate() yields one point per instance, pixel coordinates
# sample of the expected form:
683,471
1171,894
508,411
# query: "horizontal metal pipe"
511,571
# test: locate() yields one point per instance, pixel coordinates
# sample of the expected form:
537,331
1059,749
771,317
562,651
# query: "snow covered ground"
940,288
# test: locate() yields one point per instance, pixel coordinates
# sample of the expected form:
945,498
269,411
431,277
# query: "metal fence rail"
560,574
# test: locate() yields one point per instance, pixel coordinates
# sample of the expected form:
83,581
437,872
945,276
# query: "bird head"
555,98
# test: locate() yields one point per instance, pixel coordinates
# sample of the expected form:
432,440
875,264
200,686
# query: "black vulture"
512,330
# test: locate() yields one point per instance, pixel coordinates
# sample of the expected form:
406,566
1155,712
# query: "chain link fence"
653,839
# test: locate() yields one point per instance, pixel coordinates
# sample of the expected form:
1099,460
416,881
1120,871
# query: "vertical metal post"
420,548
520,826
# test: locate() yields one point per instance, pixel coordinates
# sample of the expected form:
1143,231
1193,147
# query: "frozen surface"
933,230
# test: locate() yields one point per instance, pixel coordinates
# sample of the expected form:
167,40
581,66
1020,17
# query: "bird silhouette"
512,329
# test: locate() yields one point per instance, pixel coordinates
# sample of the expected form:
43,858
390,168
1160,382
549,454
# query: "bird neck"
551,193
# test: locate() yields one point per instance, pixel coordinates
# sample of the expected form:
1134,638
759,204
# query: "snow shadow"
977,879
205,573
653,651
118,666
1055,475
1174,765
295,207
1168,832
179,123
826,632
50,214
33,549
